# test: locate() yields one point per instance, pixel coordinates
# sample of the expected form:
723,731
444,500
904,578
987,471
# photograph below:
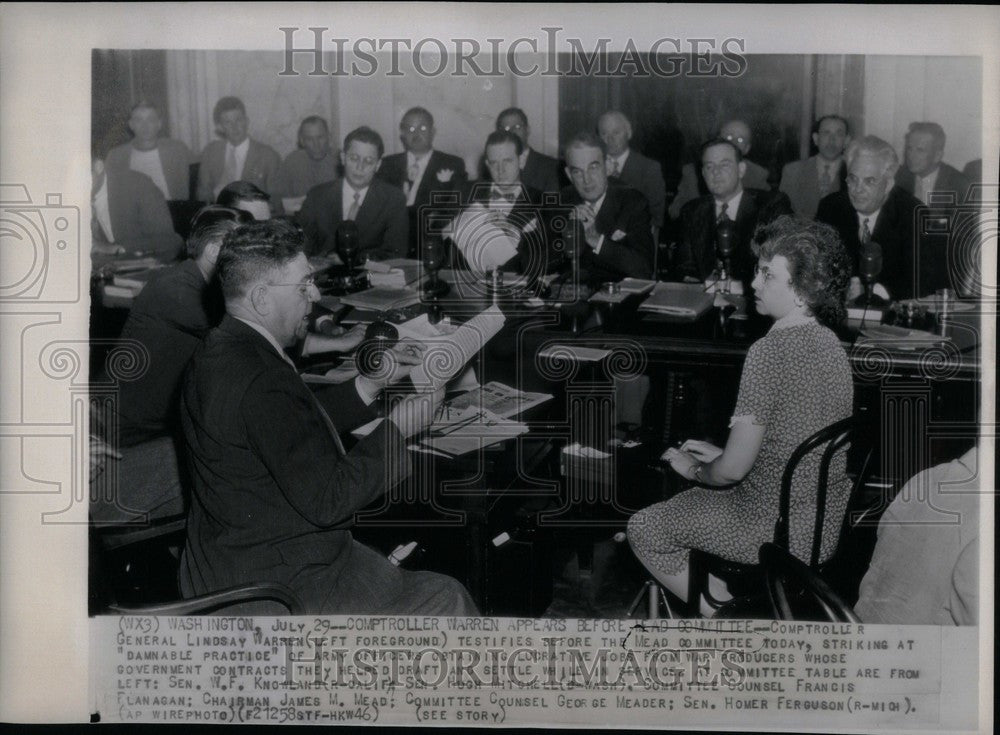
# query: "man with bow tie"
420,170
614,220
806,182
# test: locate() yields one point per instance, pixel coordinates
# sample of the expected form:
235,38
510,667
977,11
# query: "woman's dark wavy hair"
817,262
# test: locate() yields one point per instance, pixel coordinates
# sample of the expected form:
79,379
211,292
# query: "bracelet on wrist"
696,472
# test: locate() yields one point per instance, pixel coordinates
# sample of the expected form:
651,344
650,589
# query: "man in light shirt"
629,165
164,160
313,163
377,208
420,171
236,157
925,171
806,182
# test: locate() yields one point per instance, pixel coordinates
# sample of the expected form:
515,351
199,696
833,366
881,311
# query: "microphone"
869,267
725,244
348,241
380,336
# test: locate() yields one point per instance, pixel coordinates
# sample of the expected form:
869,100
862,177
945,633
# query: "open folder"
687,300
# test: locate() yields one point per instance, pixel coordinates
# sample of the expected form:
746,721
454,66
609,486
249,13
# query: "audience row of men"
859,187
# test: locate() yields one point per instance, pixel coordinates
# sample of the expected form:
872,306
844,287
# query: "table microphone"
348,241
869,267
380,336
725,244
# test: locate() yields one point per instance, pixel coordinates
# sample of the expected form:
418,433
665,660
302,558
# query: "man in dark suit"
513,207
237,157
420,170
164,160
806,182
169,318
616,235
874,210
274,491
538,171
633,168
378,209
130,215
924,171
723,168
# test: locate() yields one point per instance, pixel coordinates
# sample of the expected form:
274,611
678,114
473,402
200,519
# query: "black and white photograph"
586,365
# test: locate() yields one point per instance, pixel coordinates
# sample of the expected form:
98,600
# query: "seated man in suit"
723,167
237,157
378,209
514,208
275,492
538,171
244,195
420,170
924,171
130,215
164,160
806,182
616,232
169,317
633,168
312,164
874,209
692,185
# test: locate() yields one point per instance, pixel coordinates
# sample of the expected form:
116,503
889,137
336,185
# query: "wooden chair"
780,569
745,579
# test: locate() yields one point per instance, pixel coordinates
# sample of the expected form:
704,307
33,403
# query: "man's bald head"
616,132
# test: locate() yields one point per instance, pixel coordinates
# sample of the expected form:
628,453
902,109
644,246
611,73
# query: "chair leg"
654,597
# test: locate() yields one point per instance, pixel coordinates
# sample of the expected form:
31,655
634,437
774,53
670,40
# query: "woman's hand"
681,462
703,451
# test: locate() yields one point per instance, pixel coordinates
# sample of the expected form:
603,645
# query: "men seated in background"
924,570
806,182
130,215
244,195
692,186
165,161
377,208
724,170
614,219
420,170
168,319
874,209
538,171
515,209
313,163
924,170
274,491
633,168
236,157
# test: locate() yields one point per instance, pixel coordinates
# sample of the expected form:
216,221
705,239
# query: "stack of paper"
381,299
469,430
394,273
554,351
885,335
687,300
496,397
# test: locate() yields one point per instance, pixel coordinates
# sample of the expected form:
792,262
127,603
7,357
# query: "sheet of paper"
501,399
446,356
469,430
485,240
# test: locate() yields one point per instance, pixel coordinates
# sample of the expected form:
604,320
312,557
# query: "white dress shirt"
101,210
149,163
421,164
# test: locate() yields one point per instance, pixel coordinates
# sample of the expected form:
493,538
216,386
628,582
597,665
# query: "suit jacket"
273,497
692,185
624,221
436,179
949,179
542,173
893,232
175,158
381,219
645,175
140,217
259,169
696,249
800,181
534,245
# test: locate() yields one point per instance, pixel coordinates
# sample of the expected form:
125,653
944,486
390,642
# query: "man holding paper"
274,490
616,238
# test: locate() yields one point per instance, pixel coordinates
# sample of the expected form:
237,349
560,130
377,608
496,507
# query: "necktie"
230,175
866,232
352,213
613,167
825,181
724,212
412,172
919,191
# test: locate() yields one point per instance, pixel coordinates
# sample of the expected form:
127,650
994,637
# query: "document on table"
573,352
467,430
501,399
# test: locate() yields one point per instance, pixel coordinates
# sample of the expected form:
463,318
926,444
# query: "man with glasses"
875,209
420,171
723,168
538,171
616,238
275,492
378,209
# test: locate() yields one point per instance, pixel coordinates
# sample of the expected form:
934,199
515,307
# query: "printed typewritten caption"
510,671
